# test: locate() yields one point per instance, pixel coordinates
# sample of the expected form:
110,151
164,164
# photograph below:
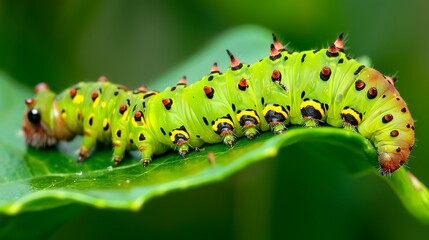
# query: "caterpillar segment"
308,88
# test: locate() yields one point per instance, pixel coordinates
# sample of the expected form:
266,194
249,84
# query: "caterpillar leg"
180,137
228,137
182,148
88,142
146,151
250,131
119,148
119,141
277,127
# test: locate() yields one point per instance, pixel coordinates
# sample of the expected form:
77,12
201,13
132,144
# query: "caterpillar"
309,88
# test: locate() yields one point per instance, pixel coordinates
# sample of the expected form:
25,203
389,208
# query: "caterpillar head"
41,119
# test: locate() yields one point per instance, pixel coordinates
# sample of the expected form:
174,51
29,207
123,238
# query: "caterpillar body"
305,88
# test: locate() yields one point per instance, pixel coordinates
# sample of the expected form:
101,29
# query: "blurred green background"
134,42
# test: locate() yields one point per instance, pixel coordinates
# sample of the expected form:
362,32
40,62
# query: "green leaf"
413,194
33,179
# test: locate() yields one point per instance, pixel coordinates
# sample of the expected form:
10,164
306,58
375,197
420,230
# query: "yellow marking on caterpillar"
78,99
277,109
124,116
63,114
103,104
133,121
316,105
104,122
249,113
221,120
178,131
95,103
353,113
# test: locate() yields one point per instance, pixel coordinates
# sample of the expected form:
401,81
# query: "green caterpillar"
306,88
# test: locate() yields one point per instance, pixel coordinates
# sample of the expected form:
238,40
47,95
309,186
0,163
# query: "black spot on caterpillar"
325,86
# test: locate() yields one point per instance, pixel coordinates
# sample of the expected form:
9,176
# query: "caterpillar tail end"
391,161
